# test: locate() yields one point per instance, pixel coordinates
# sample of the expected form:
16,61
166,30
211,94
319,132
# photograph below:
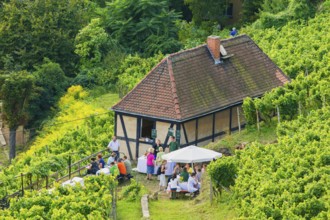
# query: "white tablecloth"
74,181
142,166
105,171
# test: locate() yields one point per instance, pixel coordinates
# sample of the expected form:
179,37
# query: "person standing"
150,163
233,32
156,147
159,159
114,146
173,144
162,179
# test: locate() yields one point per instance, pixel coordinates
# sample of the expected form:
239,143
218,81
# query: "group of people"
154,156
186,178
119,167
183,178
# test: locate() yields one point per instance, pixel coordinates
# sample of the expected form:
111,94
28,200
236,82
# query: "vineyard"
289,179
79,130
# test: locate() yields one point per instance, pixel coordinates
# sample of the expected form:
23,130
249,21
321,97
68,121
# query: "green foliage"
145,26
79,128
250,10
278,13
208,10
249,110
223,172
132,192
16,92
92,43
51,83
33,30
93,201
287,180
133,69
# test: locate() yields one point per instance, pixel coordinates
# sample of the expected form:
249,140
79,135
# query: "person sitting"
189,169
101,161
114,171
193,185
111,159
93,167
185,175
128,167
122,168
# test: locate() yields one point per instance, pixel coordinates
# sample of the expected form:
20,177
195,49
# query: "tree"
250,10
92,44
136,23
50,84
208,10
16,93
32,30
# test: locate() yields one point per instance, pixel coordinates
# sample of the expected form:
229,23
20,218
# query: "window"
147,126
230,10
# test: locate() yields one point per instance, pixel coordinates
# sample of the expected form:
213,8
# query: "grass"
128,210
198,208
106,101
182,209
267,134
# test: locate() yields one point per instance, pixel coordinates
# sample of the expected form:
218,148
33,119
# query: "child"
162,179
173,184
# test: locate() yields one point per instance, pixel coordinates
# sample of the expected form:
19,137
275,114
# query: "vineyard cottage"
195,94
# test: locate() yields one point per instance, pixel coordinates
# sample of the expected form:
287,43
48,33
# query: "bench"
174,193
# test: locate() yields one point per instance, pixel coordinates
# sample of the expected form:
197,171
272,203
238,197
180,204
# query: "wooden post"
196,132
79,169
47,182
211,192
70,167
258,126
278,114
230,119
238,120
22,181
213,126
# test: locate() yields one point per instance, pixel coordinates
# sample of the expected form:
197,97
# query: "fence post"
79,169
258,126
70,167
278,114
47,182
238,120
22,181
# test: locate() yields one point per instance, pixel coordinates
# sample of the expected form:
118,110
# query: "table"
105,171
74,181
142,166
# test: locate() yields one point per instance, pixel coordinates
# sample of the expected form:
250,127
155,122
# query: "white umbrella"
191,154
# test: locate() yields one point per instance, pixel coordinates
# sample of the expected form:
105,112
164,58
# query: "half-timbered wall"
198,131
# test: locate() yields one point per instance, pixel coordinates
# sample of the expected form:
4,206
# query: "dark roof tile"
188,83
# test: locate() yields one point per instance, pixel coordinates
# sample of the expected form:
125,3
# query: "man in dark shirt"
173,144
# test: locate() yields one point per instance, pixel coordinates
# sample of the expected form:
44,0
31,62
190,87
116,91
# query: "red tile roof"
188,83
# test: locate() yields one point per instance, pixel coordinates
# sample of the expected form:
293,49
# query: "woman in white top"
193,185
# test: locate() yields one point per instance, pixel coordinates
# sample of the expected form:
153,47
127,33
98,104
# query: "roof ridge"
173,87
137,85
203,45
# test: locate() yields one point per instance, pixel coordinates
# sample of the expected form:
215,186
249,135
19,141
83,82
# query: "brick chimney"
213,43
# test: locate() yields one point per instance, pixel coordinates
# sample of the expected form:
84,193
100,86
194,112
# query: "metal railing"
44,182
